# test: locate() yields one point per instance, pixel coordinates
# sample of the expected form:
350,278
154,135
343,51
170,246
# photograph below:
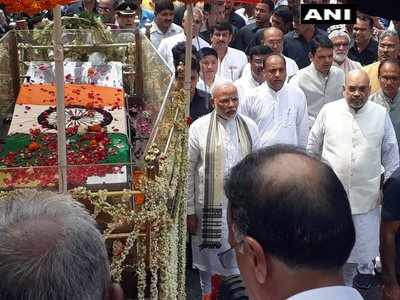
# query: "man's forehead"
390,39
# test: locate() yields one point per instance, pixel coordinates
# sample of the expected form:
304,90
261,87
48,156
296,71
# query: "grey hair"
195,10
218,84
50,248
388,33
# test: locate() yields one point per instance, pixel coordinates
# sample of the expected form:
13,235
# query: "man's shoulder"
237,52
200,124
337,72
372,46
290,35
202,94
334,107
377,108
371,67
249,122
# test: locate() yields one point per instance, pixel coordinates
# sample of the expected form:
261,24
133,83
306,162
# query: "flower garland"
32,7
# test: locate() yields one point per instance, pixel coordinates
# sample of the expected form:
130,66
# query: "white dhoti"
366,247
207,259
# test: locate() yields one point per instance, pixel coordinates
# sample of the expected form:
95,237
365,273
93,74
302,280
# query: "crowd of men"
293,159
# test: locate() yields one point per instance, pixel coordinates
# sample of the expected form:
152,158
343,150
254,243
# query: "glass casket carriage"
126,137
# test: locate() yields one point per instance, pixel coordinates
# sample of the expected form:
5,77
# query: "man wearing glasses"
106,9
389,94
290,226
217,141
341,40
388,47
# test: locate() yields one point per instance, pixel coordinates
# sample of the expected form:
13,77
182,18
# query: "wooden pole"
188,55
59,75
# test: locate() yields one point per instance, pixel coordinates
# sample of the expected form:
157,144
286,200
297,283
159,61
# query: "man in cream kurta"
279,109
356,137
225,101
320,81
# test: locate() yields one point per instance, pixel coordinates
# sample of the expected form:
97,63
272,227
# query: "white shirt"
166,45
245,85
156,35
291,68
319,89
356,145
207,259
202,85
281,116
231,66
329,293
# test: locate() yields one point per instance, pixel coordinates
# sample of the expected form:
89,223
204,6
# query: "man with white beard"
341,40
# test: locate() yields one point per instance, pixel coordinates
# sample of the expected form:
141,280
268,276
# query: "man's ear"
115,293
212,102
310,56
257,258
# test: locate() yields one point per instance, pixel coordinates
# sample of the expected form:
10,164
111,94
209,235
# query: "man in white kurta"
278,108
166,45
248,82
320,81
230,61
225,101
356,137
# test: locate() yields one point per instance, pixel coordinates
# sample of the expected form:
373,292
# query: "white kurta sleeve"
255,136
302,122
316,136
193,160
390,148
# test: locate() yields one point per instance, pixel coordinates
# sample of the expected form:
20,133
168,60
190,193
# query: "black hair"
283,12
222,26
270,3
366,18
207,51
321,41
259,50
162,5
179,53
393,61
301,215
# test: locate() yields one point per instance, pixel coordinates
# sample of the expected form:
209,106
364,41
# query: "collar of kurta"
357,112
155,28
390,101
273,93
318,74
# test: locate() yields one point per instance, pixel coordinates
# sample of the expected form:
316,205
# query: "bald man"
356,137
278,108
217,141
273,38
